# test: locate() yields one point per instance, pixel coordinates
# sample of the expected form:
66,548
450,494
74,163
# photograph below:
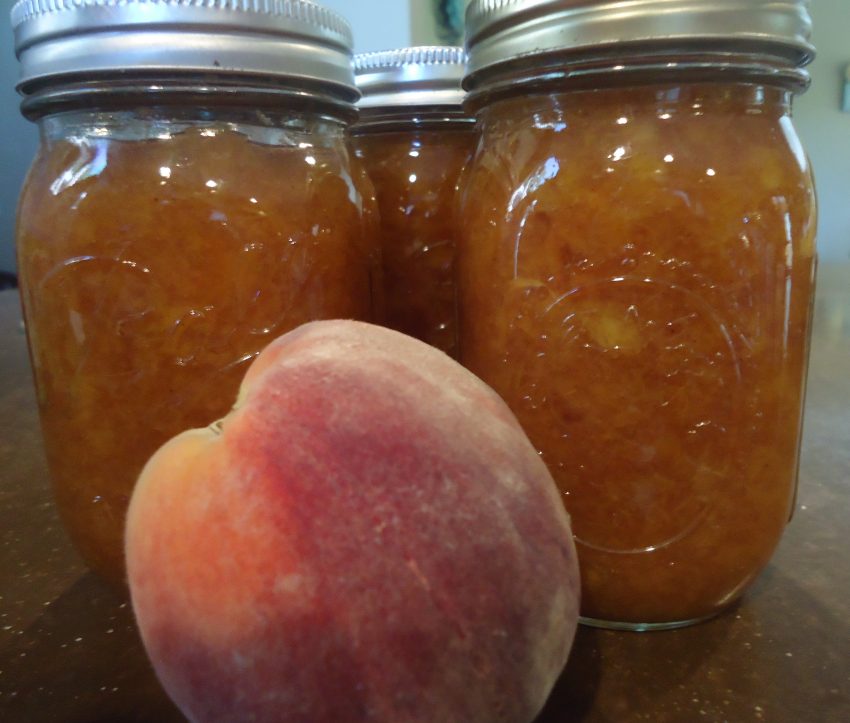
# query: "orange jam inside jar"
635,274
414,141
164,239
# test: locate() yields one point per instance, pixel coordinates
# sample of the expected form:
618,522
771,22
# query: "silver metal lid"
285,40
501,31
422,76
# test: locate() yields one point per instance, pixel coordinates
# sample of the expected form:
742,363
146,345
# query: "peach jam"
171,226
635,272
414,140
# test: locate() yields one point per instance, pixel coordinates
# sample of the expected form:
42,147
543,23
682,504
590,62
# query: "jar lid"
421,76
295,41
502,31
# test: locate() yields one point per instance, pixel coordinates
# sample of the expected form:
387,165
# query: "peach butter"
157,258
635,274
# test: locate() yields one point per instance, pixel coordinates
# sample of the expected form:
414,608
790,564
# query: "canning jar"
414,140
192,199
635,276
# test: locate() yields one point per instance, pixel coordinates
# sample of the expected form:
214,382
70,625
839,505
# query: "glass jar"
635,276
176,220
414,140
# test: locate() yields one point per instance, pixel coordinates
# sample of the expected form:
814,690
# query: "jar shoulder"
202,169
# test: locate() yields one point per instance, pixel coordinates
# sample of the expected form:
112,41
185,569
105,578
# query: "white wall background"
18,140
825,129
381,24
377,24
423,23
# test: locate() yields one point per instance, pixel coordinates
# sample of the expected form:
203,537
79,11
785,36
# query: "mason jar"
414,140
635,272
192,199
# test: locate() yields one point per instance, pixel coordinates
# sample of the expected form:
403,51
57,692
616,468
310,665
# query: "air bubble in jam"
171,290
648,323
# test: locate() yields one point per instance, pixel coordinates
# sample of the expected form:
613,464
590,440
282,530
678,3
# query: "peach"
368,536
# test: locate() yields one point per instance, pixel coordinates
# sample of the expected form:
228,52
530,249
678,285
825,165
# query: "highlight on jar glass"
192,199
414,140
635,276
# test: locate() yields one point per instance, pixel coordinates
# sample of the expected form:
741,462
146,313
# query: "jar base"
643,627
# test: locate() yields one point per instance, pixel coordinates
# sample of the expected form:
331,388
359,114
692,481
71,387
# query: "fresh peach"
368,536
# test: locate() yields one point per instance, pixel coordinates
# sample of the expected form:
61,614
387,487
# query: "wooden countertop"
69,650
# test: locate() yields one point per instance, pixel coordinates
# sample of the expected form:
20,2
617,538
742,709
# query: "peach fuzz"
368,536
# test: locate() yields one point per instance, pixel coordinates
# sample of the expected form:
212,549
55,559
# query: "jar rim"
291,42
414,118
527,76
503,35
205,92
416,76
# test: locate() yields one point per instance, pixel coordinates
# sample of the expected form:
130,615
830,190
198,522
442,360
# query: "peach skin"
368,536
